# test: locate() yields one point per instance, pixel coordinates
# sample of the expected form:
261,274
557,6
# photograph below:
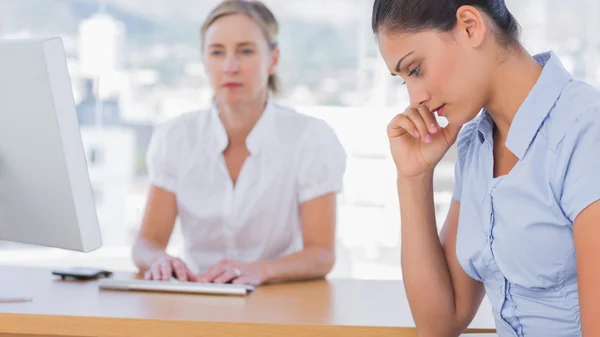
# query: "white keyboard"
174,286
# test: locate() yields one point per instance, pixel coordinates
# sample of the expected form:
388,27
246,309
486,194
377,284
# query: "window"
133,66
96,156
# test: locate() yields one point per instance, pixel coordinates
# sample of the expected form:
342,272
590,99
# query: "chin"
233,98
463,118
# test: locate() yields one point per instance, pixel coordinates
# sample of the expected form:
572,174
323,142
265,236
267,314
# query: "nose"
418,95
231,64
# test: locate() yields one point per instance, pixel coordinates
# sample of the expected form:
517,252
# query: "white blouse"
293,158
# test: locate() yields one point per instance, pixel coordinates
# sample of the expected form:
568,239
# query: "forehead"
393,46
233,28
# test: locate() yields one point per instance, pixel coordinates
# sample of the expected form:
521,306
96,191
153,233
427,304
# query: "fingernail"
428,139
416,133
433,128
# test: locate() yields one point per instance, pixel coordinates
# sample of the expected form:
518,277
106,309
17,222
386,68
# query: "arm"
442,297
318,256
315,260
322,167
322,164
148,252
578,185
586,230
156,228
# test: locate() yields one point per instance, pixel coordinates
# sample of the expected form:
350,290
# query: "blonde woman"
253,183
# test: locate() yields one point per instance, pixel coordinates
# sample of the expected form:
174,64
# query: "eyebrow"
400,61
247,44
241,44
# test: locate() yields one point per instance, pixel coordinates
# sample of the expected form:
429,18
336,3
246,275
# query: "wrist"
266,271
415,185
424,177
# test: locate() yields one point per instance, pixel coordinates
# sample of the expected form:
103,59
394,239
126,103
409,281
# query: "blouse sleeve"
577,165
162,158
462,146
322,162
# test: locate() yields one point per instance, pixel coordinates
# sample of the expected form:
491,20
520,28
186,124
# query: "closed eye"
415,71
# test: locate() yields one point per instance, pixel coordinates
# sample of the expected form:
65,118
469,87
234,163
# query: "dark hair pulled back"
420,15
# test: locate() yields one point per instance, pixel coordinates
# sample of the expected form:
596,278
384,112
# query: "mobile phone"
82,273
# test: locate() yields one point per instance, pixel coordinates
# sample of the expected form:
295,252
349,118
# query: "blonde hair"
260,14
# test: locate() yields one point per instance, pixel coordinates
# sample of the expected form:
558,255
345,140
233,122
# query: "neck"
239,118
514,80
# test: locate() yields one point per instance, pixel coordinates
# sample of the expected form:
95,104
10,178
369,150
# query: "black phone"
82,273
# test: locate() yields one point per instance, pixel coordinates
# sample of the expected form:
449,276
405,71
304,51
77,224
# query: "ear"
471,25
274,61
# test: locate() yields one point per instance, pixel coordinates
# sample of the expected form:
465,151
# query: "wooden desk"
340,307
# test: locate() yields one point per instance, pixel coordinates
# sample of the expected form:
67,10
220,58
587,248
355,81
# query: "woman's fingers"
401,125
166,270
155,272
415,117
228,276
180,270
429,119
192,277
212,273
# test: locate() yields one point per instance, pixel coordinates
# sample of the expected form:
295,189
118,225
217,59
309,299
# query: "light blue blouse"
515,232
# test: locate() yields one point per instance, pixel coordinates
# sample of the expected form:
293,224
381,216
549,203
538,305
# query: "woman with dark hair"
523,227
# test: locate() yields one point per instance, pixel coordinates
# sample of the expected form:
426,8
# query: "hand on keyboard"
167,267
236,272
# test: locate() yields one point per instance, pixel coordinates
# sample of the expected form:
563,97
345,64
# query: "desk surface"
337,307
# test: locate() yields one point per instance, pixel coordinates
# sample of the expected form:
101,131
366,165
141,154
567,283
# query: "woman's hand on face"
417,142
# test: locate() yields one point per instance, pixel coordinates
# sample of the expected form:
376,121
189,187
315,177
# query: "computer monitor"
46,196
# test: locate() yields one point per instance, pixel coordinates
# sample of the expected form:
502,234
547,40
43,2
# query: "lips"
232,85
439,110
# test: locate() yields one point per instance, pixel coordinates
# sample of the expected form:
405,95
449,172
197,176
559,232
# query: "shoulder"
468,137
468,140
574,133
288,116
181,128
311,140
295,125
576,110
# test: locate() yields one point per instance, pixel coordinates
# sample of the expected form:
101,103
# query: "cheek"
436,85
440,78
471,84
256,70
213,70
453,79
214,74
